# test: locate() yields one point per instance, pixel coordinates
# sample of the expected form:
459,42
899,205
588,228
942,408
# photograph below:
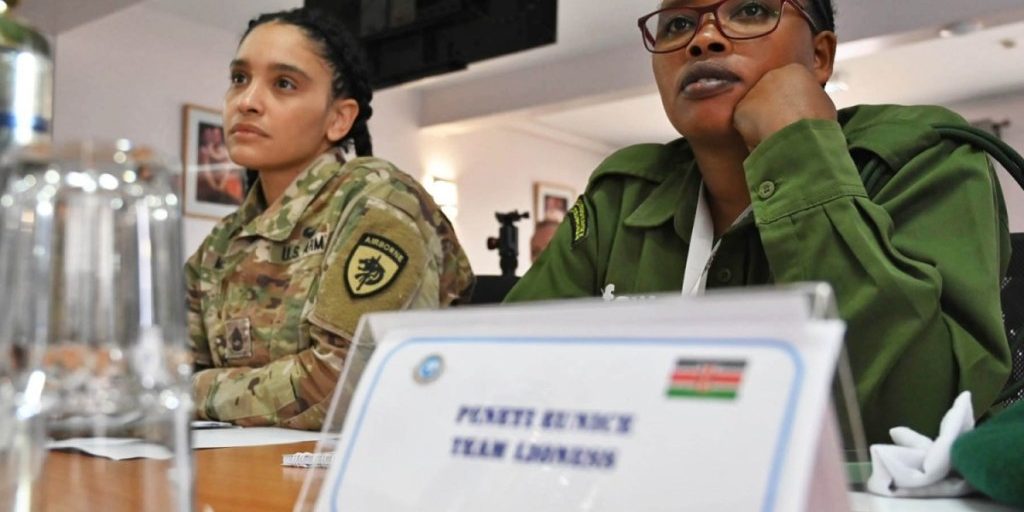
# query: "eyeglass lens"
741,19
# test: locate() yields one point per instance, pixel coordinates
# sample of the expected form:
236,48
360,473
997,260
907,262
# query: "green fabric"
916,268
991,457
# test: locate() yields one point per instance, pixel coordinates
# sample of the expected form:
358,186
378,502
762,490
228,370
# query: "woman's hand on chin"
780,98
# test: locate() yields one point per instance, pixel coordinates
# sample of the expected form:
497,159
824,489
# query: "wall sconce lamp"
446,195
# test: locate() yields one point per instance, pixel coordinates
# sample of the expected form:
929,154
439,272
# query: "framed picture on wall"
551,201
214,186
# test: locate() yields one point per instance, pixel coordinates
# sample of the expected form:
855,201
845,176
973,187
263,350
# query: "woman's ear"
342,115
824,56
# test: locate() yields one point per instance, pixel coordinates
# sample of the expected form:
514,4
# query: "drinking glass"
92,328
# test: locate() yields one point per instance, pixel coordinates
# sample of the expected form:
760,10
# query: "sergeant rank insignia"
373,265
237,343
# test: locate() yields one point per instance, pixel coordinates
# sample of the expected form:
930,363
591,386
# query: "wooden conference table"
227,479
252,479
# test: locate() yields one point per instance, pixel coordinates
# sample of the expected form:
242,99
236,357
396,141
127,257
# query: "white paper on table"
113,448
251,436
203,424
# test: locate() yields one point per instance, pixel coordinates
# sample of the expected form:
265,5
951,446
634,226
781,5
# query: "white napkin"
916,466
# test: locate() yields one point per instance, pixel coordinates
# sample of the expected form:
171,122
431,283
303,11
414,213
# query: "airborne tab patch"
578,221
373,265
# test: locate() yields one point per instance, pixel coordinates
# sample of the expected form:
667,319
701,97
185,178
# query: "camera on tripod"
507,241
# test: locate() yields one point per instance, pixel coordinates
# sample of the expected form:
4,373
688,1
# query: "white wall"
395,128
495,169
1004,107
129,74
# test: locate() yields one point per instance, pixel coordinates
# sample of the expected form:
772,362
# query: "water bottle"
26,82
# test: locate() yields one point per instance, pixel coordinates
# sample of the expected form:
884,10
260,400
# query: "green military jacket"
275,292
916,268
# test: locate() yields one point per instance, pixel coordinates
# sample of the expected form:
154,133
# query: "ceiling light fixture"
961,28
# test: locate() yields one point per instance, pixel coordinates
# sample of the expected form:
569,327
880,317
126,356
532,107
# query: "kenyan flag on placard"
695,378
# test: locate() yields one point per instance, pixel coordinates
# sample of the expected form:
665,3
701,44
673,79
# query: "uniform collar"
277,221
676,196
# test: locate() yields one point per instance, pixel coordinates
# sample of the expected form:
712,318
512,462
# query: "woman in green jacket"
765,188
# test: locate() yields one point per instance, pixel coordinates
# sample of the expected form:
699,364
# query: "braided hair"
343,54
824,14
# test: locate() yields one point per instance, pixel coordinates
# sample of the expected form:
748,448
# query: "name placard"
601,407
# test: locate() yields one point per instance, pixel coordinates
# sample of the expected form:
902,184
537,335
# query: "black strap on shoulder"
875,173
1014,164
1000,151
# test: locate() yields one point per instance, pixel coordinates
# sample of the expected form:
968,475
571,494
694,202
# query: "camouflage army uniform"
275,293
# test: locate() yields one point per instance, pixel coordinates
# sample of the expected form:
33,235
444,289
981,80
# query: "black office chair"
492,289
1013,318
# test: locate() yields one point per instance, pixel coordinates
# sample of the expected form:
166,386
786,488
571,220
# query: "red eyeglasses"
670,29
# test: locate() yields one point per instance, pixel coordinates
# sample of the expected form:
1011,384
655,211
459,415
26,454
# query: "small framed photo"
214,185
551,201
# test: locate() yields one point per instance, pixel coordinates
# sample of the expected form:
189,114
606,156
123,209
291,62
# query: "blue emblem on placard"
429,369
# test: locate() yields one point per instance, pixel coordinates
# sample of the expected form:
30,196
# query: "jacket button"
724,275
766,189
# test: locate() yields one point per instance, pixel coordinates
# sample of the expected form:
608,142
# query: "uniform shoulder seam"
652,162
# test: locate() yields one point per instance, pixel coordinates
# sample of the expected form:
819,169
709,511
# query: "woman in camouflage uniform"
276,290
